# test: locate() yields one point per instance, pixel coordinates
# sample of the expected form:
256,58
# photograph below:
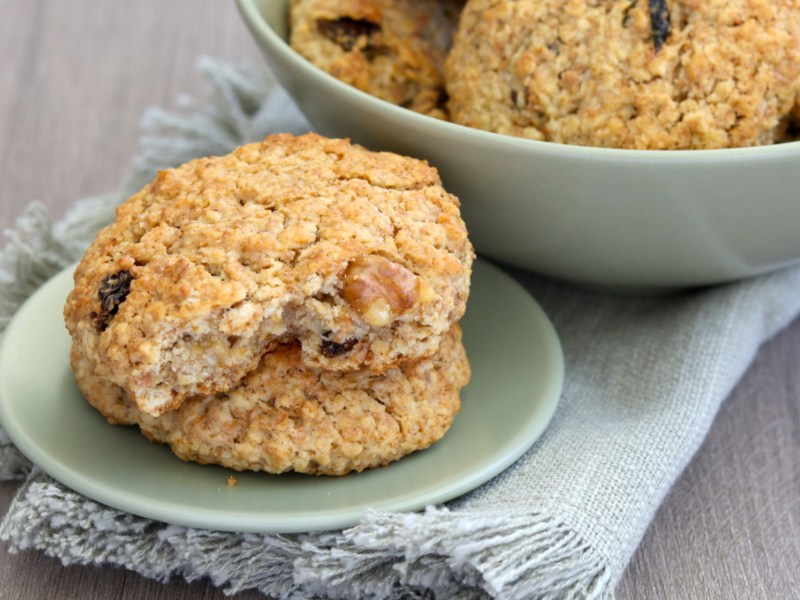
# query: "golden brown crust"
286,416
726,73
229,256
392,49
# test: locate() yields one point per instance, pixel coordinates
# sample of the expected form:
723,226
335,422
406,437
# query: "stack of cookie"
292,306
662,74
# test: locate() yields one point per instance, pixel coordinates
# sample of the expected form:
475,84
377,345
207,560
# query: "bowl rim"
260,26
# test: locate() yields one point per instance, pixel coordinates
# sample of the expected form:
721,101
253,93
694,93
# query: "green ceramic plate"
517,376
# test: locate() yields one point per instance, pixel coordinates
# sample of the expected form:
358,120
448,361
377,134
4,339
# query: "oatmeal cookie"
286,416
392,49
360,256
657,74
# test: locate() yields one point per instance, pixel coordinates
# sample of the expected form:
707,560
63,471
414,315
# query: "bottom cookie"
286,416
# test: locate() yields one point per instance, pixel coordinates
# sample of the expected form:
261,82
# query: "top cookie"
392,49
663,74
360,256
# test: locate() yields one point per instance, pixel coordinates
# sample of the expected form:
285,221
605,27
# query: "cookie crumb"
232,481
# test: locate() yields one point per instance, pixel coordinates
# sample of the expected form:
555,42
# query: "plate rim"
336,518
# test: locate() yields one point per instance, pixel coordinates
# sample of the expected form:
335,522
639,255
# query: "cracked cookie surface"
361,257
392,49
657,74
286,416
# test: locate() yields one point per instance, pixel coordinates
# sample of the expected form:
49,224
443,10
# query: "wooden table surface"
74,79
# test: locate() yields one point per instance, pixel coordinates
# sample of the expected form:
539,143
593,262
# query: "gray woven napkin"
645,377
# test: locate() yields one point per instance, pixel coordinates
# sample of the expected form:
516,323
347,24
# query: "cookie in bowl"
392,49
286,416
361,258
659,75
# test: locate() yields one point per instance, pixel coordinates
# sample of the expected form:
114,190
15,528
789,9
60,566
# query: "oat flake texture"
680,74
392,49
221,259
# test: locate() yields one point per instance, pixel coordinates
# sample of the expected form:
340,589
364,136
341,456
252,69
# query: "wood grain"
729,527
75,78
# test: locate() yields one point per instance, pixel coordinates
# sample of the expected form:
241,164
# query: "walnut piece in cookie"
361,257
392,49
380,290
642,74
287,416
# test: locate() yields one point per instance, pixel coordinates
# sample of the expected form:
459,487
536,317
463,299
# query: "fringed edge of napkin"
451,554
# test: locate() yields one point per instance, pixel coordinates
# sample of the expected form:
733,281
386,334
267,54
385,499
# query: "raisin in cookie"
392,49
657,74
360,256
286,416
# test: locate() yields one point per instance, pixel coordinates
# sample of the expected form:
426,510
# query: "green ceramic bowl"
603,217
